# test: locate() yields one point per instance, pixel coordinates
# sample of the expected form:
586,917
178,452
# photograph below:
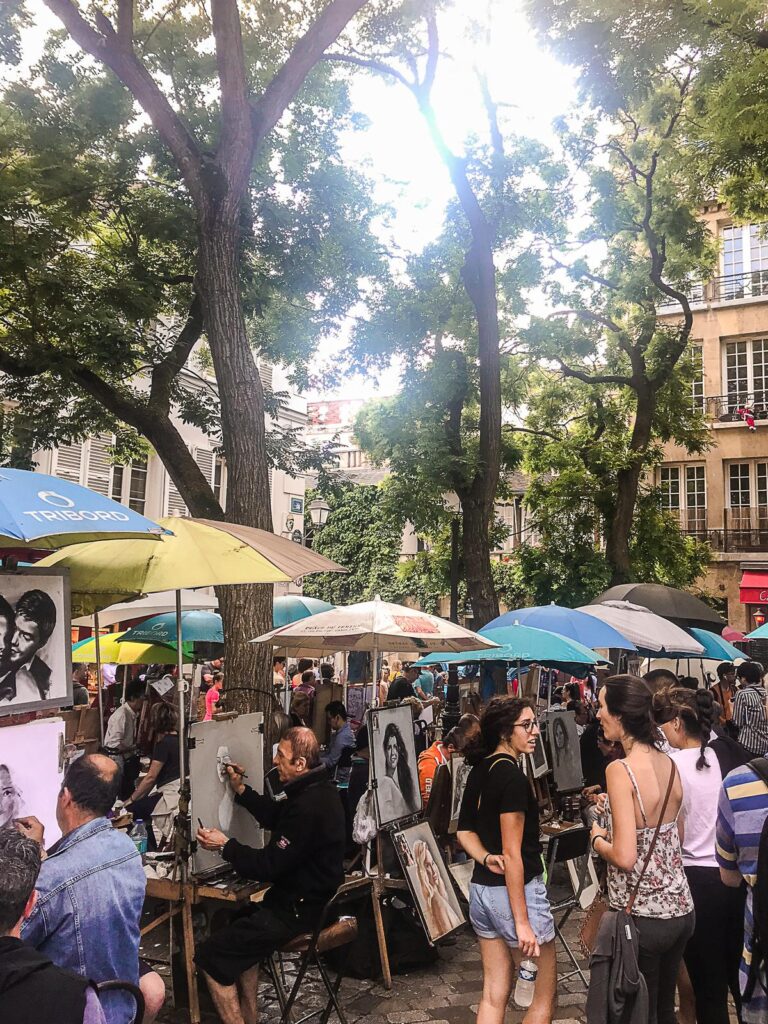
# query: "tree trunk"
246,610
627,485
477,562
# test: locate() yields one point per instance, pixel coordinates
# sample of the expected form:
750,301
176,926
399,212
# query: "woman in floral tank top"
663,909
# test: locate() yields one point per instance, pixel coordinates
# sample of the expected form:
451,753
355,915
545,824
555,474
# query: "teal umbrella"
715,648
292,607
761,633
523,644
196,627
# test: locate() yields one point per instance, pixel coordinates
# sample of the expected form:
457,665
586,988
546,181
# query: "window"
748,480
696,498
739,485
88,463
684,494
744,262
129,485
746,373
218,478
670,488
212,468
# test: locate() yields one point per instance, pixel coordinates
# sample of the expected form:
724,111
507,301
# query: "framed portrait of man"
35,650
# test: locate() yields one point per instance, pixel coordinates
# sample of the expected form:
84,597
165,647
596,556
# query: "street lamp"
319,510
759,617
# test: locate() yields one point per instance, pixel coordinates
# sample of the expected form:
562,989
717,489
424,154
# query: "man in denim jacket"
91,890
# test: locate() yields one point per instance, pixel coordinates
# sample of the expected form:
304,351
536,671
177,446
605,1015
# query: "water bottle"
526,983
139,836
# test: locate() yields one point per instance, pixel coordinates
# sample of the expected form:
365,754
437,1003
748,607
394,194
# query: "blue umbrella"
293,607
568,622
196,627
757,634
41,511
523,644
715,648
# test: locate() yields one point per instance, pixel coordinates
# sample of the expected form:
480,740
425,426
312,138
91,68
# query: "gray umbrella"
677,606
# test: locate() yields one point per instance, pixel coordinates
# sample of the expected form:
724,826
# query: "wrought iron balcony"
726,408
729,288
743,529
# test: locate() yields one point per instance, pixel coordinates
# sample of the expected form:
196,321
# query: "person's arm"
286,850
622,851
93,1012
263,808
332,755
726,849
472,845
114,736
512,825
740,704
147,783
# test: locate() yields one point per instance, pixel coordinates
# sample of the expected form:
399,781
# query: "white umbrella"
647,631
373,626
154,604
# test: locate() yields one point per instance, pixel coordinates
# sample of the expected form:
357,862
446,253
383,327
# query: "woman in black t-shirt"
499,829
163,766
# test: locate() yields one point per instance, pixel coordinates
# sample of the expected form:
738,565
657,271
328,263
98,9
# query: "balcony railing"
729,288
725,408
743,529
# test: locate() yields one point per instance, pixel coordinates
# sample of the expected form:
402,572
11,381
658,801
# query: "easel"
380,886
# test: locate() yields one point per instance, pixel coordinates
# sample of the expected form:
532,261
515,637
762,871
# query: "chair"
123,986
572,844
328,934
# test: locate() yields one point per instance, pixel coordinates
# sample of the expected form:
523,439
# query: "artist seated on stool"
303,861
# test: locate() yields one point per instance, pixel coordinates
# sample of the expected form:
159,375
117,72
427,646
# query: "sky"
396,149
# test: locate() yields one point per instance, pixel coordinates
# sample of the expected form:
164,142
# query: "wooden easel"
381,885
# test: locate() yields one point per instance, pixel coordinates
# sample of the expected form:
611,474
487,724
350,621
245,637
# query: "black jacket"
34,991
304,856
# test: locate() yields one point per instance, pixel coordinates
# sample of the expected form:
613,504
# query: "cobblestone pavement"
447,992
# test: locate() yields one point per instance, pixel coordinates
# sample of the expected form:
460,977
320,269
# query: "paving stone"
408,1017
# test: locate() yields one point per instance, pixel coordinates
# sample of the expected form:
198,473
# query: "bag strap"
646,862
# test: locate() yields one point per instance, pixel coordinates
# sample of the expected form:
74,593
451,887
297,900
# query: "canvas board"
429,880
462,876
576,872
459,774
31,773
35,649
240,739
564,750
539,764
393,763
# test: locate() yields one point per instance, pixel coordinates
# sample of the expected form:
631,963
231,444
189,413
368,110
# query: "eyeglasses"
528,725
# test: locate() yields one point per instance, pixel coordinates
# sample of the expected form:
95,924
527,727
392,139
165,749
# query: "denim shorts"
491,914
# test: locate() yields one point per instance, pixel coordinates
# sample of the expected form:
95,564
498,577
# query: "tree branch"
309,49
597,378
125,23
109,50
587,314
235,150
164,372
371,65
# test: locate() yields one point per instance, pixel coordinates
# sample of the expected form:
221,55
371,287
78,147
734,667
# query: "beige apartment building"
722,496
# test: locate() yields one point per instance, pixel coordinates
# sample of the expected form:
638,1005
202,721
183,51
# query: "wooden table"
183,896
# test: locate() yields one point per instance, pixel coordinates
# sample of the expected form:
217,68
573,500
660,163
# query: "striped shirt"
741,814
750,715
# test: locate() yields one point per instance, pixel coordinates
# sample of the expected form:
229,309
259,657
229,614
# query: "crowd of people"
674,800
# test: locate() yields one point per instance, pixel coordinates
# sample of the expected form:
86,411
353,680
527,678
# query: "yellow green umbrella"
201,553
116,653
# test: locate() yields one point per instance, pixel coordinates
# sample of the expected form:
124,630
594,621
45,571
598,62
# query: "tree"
189,106
364,531
605,334
453,309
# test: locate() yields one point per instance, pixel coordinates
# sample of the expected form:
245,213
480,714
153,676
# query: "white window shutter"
99,472
174,505
266,371
69,462
204,459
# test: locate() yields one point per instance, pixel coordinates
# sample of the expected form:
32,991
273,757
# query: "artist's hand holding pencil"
211,838
30,827
236,775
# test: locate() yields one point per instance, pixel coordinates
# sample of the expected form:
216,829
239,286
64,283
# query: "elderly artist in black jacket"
303,861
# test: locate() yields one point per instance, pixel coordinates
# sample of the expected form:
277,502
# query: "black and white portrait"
31,773
459,774
564,750
393,751
35,655
538,759
429,880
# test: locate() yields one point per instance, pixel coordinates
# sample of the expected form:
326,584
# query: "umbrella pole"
180,688
345,691
375,687
99,680
287,686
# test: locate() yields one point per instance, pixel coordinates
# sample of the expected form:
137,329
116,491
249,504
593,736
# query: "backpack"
759,897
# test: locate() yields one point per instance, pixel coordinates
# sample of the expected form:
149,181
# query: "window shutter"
174,506
204,459
99,474
69,461
266,371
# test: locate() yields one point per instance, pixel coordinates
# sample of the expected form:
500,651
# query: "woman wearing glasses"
499,829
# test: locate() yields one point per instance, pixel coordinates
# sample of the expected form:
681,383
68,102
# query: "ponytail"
705,707
694,708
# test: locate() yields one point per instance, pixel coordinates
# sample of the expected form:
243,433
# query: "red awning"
753,588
